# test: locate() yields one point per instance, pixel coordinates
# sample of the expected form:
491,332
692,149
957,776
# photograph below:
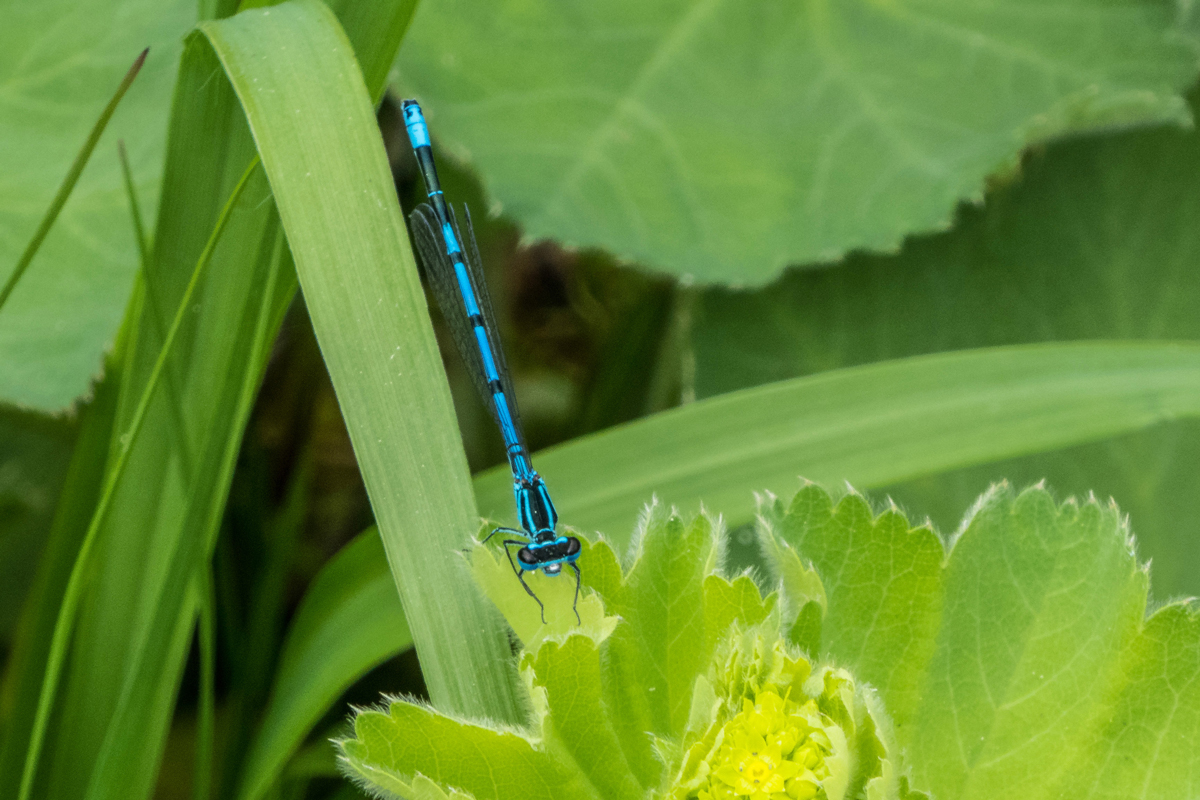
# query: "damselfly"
456,274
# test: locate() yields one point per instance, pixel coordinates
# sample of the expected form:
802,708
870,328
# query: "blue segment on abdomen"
485,349
451,240
464,288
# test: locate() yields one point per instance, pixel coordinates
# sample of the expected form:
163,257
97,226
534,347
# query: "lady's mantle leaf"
730,139
578,726
689,691
1020,664
883,586
494,574
390,749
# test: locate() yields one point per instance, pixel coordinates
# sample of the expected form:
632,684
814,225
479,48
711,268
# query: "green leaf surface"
337,202
872,425
1160,695
728,140
72,177
1021,663
491,763
349,621
881,587
494,573
1095,239
578,727
662,599
59,61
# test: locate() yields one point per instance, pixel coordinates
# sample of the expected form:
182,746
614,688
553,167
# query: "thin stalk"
151,298
206,628
68,184
65,624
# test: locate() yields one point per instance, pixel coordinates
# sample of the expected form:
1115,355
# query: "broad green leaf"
72,177
349,621
727,602
337,202
872,425
662,599
59,62
495,575
1021,664
489,763
578,726
1095,239
882,588
1160,694
728,140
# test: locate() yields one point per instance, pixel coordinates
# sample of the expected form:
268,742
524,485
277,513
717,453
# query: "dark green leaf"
59,60
1095,239
728,140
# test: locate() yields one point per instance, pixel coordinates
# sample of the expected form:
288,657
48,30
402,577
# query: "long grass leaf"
81,489
872,426
206,627
134,631
71,598
334,189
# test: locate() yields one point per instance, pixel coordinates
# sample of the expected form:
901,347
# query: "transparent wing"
440,270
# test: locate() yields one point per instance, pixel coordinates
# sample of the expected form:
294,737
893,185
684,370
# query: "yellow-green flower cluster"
774,749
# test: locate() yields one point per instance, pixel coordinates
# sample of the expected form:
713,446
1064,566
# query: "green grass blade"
147,682
81,489
315,128
134,632
349,621
154,315
207,629
71,598
64,190
871,426
73,594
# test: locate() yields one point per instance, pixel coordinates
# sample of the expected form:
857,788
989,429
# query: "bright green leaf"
577,726
488,763
314,125
1021,663
728,140
494,573
881,583
872,425
1147,746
